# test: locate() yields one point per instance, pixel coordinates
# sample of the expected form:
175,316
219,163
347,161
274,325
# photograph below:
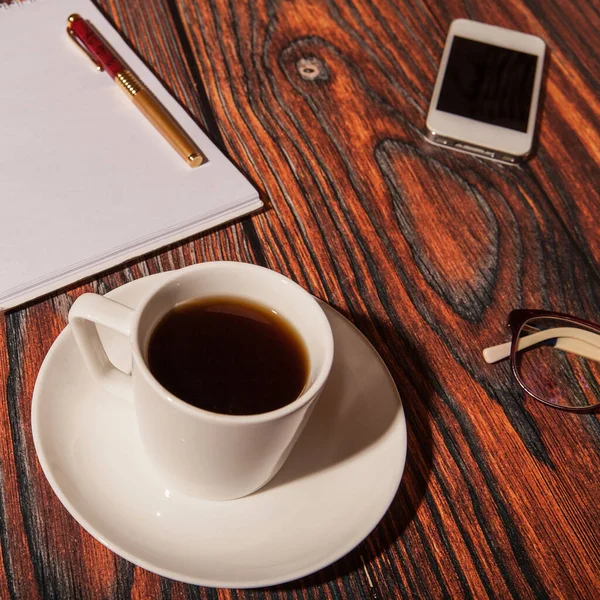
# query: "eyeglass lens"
562,363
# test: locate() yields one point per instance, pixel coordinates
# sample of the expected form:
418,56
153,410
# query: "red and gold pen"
84,34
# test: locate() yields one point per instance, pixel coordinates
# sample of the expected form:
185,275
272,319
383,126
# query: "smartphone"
486,94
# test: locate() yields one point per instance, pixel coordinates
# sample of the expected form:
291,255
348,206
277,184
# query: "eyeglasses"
554,357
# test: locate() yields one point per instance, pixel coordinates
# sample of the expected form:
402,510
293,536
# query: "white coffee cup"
205,454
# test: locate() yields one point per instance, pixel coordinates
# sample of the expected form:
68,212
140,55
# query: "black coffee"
229,356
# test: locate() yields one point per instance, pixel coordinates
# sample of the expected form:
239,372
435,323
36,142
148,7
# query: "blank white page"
86,181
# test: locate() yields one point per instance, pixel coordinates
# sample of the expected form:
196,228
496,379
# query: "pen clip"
76,41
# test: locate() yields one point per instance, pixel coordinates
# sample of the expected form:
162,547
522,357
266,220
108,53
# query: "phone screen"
488,83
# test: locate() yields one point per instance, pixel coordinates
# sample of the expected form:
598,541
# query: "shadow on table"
413,380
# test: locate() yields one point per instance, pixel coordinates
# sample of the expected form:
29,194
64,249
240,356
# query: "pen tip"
73,17
195,160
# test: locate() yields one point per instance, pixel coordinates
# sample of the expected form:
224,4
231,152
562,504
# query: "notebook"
86,182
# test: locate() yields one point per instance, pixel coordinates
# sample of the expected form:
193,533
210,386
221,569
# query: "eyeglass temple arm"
568,339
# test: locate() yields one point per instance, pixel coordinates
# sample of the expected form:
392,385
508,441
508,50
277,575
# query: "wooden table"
322,105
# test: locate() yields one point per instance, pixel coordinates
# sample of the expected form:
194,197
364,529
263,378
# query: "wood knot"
312,68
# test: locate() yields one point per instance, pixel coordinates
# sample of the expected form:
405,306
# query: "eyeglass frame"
516,321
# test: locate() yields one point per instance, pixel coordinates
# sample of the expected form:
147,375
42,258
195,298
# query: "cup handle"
91,309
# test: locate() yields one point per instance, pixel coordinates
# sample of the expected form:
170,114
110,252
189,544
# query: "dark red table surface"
322,104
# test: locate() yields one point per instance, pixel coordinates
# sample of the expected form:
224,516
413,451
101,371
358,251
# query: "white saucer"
333,490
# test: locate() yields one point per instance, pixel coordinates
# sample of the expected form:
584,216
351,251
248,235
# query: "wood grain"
322,104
